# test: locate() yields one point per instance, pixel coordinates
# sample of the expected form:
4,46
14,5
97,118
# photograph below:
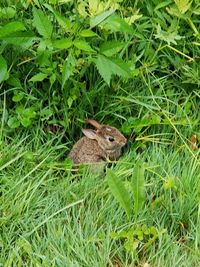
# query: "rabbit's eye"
111,139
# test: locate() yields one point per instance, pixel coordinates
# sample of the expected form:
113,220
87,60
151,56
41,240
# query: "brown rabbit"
97,145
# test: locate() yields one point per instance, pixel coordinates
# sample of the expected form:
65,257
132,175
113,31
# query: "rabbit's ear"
94,123
89,133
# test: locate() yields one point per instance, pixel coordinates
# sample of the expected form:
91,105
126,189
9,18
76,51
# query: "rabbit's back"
86,150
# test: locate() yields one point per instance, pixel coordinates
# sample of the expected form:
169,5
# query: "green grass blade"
119,191
138,186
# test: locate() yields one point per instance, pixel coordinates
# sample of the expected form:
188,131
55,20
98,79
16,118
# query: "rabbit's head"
109,138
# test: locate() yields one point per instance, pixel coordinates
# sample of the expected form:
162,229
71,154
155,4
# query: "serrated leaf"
62,21
169,36
115,23
103,66
111,48
62,43
183,5
107,67
100,17
130,20
38,77
10,28
42,23
138,186
20,38
3,68
68,69
83,45
163,4
87,33
119,191
13,122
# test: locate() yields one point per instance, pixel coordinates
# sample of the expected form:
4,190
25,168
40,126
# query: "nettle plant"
56,46
52,51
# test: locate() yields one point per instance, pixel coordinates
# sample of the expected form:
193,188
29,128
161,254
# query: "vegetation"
130,64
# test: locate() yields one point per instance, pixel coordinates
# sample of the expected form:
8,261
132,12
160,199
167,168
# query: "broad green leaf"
116,24
163,4
100,17
13,122
83,45
10,28
68,69
7,12
26,112
62,21
111,48
183,5
20,38
119,191
3,68
103,66
25,121
87,33
42,23
138,186
139,124
38,77
107,67
14,81
62,43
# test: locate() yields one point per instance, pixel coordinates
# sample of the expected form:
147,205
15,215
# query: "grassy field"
50,81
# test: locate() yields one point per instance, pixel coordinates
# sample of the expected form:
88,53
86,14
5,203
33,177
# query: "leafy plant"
123,195
138,238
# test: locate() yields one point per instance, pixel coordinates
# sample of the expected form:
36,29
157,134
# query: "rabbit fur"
97,146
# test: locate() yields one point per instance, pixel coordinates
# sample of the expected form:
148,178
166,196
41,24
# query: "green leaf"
183,5
25,121
111,48
163,4
116,24
20,38
13,122
18,97
62,21
10,28
138,186
100,17
7,12
68,69
83,45
119,191
107,67
167,36
27,112
87,33
14,81
42,23
38,77
3,69
62,43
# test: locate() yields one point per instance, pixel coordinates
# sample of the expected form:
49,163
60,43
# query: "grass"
50,217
